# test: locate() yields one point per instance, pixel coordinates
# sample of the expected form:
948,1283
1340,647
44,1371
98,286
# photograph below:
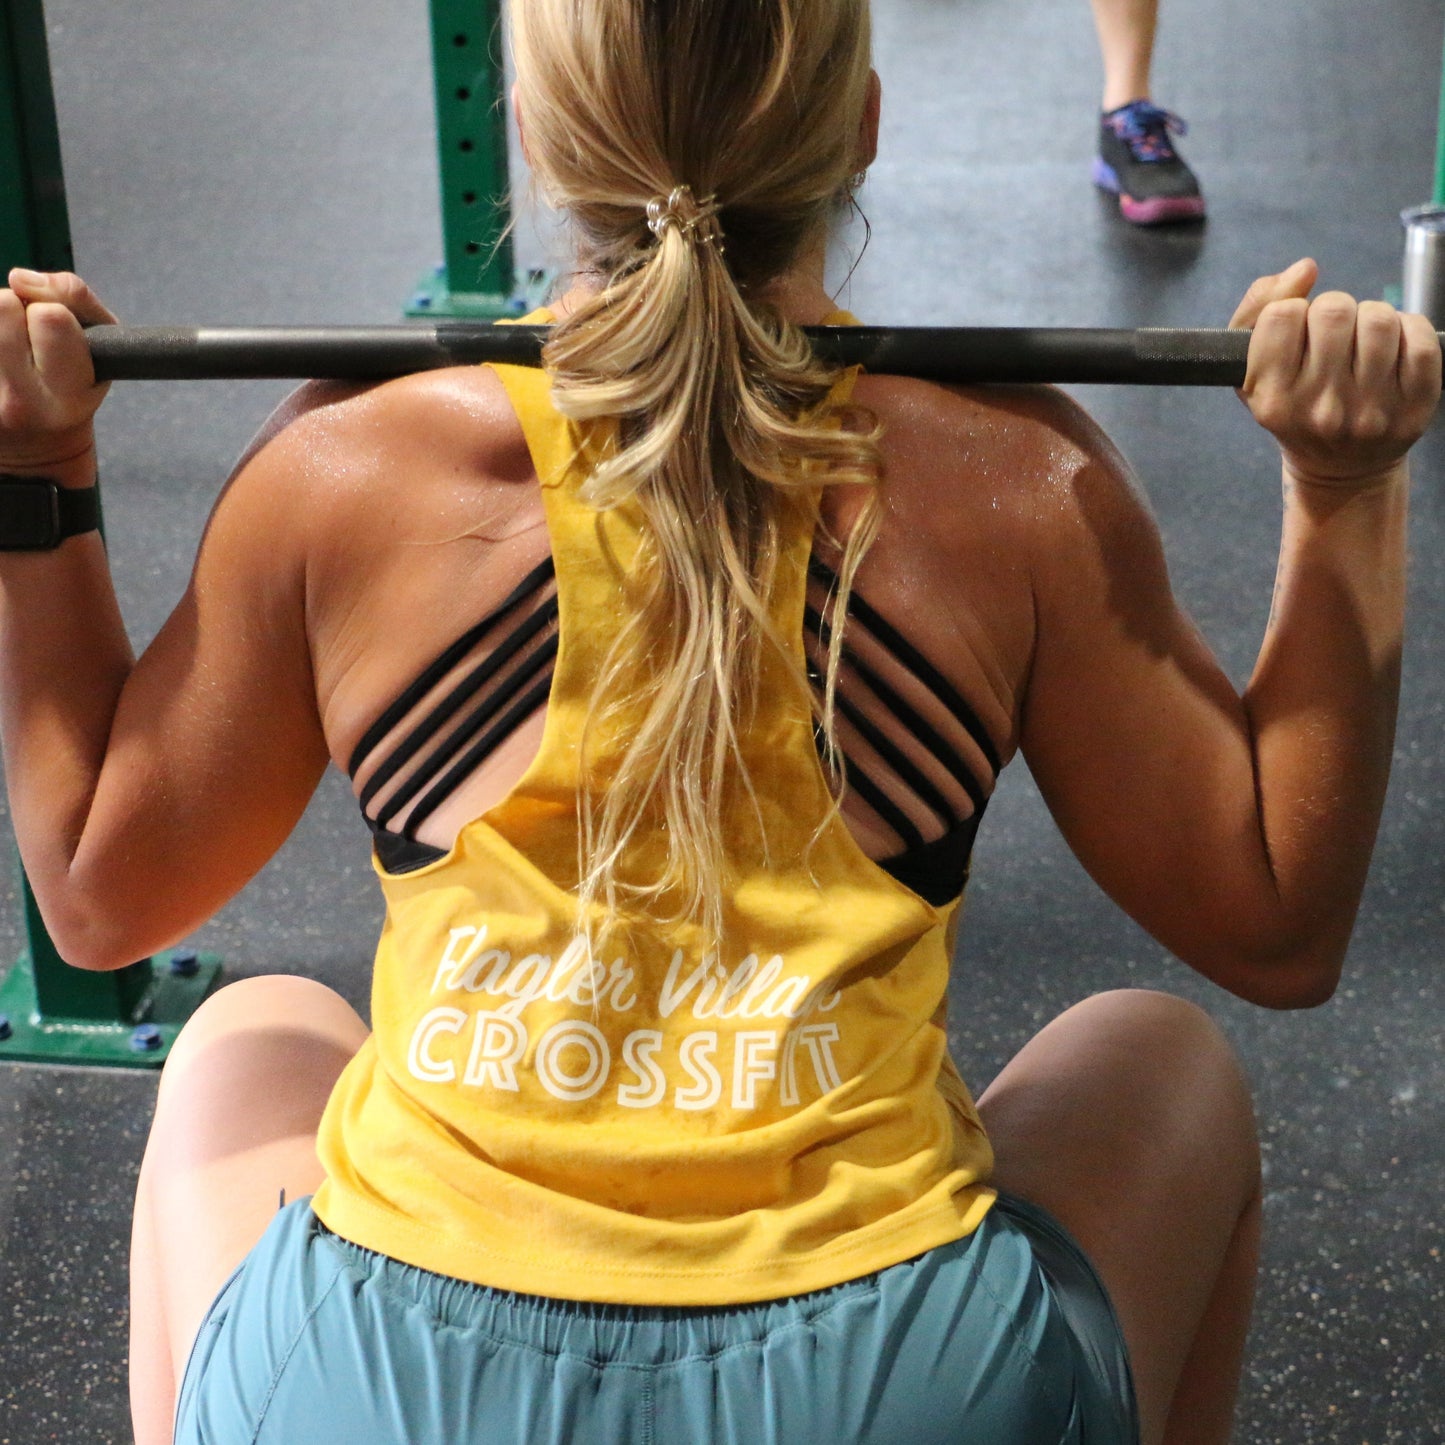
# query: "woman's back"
429,516
628,1104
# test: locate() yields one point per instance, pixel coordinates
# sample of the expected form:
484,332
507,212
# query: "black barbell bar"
1151,356
1148,357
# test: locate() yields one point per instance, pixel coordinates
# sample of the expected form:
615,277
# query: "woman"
656,1135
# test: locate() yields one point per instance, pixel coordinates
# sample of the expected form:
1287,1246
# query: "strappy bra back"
917,762
454,716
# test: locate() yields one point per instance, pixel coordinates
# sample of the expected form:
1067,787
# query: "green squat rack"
478,277
50,1012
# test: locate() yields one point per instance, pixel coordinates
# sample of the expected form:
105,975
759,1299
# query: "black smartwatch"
37,514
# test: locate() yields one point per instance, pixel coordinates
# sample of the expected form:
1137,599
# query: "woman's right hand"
1345,387
48,392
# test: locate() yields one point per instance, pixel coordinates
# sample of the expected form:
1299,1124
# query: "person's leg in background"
1137,160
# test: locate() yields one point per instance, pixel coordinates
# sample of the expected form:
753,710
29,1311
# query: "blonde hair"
737,121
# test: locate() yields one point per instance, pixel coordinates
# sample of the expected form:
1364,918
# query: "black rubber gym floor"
230,163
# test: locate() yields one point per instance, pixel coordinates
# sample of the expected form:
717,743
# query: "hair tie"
695,220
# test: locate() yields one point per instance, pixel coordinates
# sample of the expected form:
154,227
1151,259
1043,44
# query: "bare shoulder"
1024,450
1025,466
330,432
343,462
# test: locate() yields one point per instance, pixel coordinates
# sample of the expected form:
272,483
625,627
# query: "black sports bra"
914,752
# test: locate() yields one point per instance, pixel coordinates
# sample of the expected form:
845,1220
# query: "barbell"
1147,356
1143,357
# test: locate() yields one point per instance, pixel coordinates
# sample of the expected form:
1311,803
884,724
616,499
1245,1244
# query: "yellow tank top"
663,1124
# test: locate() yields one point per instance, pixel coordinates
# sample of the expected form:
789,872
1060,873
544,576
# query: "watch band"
79,510
37,514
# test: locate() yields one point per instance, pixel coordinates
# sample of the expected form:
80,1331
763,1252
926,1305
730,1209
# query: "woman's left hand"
1345,387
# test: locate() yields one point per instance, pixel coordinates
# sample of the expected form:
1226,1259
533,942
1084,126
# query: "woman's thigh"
239,1102
1128,1118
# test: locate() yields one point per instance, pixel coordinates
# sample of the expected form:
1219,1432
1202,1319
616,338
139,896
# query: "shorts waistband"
647,1335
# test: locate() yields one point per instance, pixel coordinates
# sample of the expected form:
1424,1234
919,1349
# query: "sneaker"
1138,163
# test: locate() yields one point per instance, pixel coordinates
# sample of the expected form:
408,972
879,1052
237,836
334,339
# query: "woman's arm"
1238,830
144,793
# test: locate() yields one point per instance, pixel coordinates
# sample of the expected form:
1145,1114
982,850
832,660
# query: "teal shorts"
1006,1336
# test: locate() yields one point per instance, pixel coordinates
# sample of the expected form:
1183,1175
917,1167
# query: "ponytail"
724,436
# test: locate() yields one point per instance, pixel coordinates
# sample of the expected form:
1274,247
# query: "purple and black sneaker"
1138,163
